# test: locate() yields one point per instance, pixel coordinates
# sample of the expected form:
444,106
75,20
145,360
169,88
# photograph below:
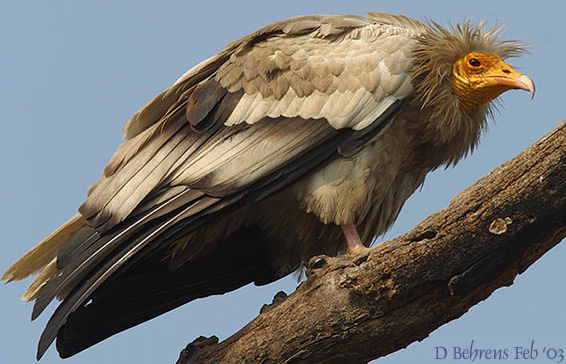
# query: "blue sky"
72,73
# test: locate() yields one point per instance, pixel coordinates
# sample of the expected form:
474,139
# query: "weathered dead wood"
352,310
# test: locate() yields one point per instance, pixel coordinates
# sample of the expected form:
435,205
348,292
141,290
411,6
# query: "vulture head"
458,73
478,78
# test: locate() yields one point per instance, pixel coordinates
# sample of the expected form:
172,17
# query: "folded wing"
267,111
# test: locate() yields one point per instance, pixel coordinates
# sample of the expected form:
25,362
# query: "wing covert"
347,78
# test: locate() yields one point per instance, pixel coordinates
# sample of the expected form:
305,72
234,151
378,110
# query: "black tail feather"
149,289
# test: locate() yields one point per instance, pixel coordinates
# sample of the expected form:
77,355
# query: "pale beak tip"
528,84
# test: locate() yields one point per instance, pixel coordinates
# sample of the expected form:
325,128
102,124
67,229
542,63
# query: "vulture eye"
474,62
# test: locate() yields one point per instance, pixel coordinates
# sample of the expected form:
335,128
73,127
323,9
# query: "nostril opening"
506,71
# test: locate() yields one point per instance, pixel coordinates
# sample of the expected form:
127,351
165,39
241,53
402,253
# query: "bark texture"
355,309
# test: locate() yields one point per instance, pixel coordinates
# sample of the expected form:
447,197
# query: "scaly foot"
354,244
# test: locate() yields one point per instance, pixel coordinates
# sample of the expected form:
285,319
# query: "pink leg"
353,242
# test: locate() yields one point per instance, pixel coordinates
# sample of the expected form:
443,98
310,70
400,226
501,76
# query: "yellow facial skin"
480,77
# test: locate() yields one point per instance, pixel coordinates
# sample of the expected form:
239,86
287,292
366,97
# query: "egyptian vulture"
303,138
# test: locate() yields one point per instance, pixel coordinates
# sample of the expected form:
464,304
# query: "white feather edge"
347,109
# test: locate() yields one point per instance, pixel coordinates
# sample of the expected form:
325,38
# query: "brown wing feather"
229,139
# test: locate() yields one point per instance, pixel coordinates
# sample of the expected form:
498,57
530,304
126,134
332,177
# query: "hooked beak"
516,81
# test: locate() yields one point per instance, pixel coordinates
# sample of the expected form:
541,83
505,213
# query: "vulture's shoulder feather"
345,70
397,20
322,33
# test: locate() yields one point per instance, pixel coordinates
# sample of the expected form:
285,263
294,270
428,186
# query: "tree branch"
355,309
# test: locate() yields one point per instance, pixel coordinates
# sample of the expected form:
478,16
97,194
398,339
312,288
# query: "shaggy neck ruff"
434,56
